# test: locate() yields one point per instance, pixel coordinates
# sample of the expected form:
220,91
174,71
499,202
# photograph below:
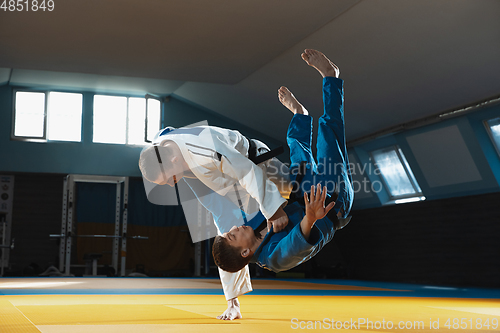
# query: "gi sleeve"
235,284
290,251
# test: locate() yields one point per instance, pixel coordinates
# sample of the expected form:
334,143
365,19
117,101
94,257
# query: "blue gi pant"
286,249
331,168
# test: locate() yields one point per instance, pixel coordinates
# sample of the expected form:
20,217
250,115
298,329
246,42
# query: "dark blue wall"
475,144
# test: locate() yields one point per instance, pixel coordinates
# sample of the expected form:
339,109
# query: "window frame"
146,97
490,133
406,167
13,135
46,92
42,139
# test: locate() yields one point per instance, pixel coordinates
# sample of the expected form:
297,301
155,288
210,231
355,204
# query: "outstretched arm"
302,242
234,285
225,215
315,209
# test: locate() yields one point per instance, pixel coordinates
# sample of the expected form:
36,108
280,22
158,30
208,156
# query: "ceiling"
401,60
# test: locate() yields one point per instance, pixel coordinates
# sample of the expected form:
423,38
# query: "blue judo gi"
286,249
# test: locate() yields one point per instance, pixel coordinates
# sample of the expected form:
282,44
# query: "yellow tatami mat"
13,320
274,306
196,313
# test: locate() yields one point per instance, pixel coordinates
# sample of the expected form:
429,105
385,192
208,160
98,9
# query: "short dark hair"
228,257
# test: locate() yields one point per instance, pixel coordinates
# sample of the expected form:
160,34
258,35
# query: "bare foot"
319,61
290,102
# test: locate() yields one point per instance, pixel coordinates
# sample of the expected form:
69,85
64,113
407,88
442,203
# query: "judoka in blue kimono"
286,249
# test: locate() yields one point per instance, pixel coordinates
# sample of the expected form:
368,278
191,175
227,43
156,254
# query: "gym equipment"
11,246
6,202
67,234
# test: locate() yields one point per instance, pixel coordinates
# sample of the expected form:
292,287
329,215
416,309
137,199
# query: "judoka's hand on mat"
232,311
279,220
315,204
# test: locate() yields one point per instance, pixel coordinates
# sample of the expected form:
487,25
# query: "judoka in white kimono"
222,178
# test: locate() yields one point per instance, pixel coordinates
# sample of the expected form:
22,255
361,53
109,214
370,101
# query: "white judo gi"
218,157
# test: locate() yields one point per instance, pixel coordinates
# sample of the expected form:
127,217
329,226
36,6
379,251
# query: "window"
153,118
493,126
125,120
397,175
137,114
65,117
48,116
29,115
110,119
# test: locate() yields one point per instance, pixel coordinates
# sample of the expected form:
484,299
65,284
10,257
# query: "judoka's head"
163,164
233,250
